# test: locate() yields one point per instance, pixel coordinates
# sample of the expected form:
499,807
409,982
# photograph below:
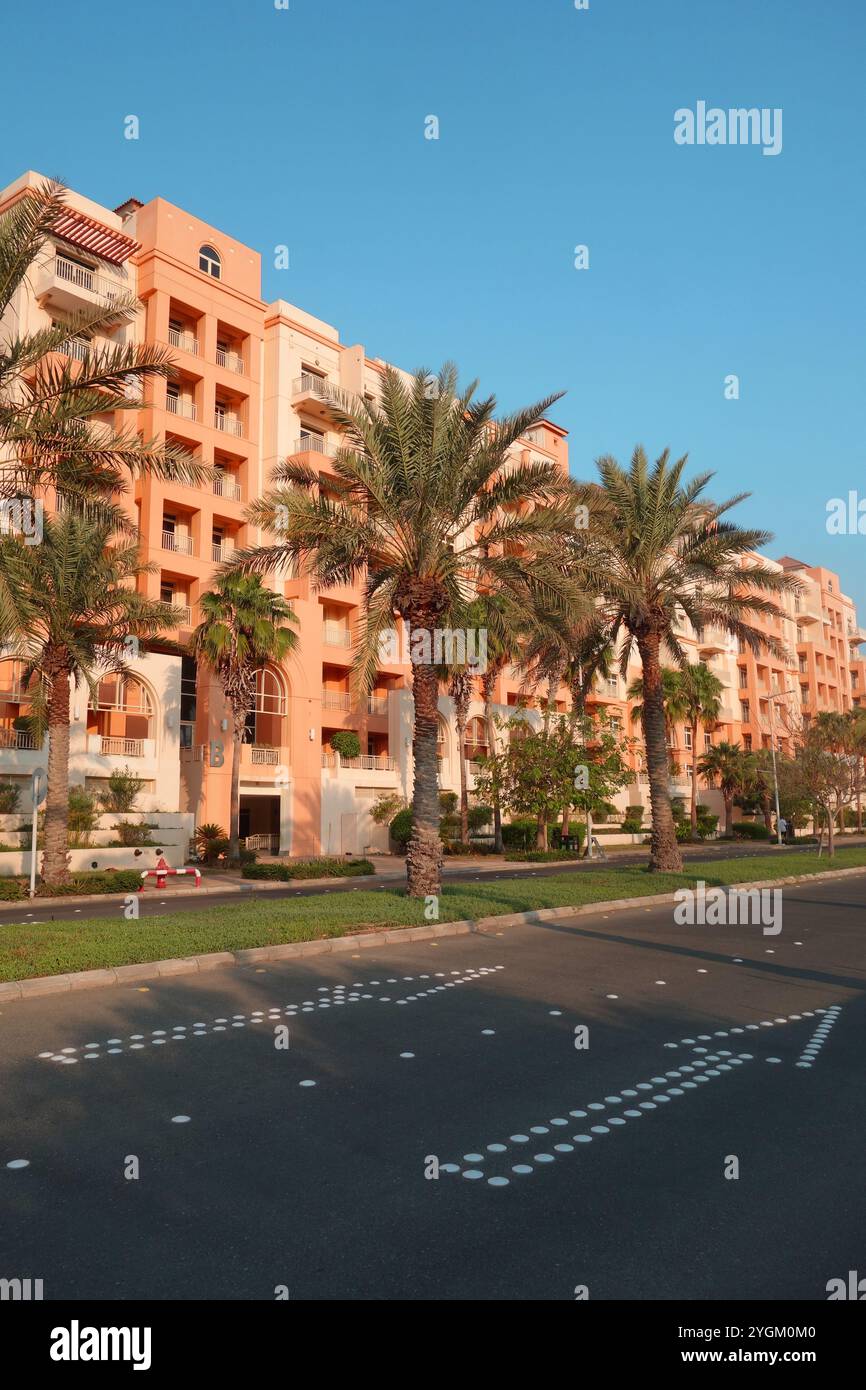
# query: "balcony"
336,634
713,641
121,747
182,406
336,699
225,486
220,553
261,754
184,614
377,704
370,763
16,738
76,348
313,444
228,424
69,285
232,361
181,545
183,339
316,395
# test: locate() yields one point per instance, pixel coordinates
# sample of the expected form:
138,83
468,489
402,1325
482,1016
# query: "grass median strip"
52,948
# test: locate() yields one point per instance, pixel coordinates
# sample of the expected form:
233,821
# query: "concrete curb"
214,960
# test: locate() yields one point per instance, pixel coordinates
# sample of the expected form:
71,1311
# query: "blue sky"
306,127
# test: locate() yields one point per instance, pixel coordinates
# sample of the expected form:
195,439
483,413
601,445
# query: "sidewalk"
392,868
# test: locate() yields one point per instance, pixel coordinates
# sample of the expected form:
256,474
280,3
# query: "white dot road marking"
614,1122
18,1163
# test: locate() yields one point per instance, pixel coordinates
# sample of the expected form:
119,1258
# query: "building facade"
250,386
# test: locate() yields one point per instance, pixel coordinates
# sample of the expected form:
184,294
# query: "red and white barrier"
162,872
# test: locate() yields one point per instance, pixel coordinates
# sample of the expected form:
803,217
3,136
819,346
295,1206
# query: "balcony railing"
228,424
16,738
262,755
76,348
84,278
329,760
184,612
369,762
312,444
232,360
220,553
336,699
316,386
180,405
182,545
122,747
269,843
225,486
183,339
377,704
336,634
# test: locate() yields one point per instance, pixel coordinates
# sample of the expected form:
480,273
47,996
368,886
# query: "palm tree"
422,507
243,627
74,610
656,548
730,766
51,433
697,701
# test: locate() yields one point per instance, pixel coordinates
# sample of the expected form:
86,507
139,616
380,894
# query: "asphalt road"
614,1155
157,904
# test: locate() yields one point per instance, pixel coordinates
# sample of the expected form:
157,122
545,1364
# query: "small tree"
122,791
346,743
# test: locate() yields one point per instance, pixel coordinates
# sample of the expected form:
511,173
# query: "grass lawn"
56,947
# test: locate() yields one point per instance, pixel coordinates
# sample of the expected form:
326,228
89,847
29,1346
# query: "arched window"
475,739
209,261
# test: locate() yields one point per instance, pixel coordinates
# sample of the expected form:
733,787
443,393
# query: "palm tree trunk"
487,694
424,852
694,804
665,855
235,795
464,790
55,859
729,813
831,842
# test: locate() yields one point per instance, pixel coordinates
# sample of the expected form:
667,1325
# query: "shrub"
576,828
309,868
346,743
540,856
133,833
447,803
750,830
708,824
401,828
479,816
453,847
122,792
386,806
210,840
12,890
604,812
519,834
10,795
82,817
104,881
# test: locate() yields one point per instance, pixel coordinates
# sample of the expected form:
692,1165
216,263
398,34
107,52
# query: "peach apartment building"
251,386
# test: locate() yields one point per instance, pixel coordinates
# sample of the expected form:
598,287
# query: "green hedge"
309,868
106,881
540,856
750,830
